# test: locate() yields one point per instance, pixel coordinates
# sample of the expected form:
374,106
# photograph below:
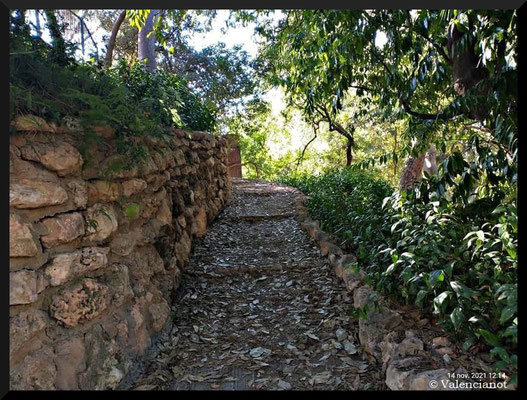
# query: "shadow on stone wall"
96,251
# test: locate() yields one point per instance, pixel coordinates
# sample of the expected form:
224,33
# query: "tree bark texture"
37,23
414,167
412,171
146,44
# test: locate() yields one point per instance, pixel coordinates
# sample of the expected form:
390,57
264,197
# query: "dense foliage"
452,93
454,261
126,97
220,76
445,77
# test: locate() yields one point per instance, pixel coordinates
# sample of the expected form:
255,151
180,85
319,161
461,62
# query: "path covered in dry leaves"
259,308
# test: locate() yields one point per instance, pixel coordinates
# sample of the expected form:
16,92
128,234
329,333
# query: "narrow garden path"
259,308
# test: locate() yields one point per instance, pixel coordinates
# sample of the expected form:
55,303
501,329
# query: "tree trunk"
146,44
412,171
430,163
349,155
82,36
414,167
466,72
37,23
111,43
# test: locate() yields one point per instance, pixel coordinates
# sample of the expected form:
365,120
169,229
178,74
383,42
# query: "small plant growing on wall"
131,211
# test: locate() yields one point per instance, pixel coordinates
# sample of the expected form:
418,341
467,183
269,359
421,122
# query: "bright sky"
243,36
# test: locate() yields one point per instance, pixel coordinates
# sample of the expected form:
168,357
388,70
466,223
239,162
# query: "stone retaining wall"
97,250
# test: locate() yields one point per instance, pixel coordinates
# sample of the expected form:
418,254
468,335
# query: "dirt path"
259,308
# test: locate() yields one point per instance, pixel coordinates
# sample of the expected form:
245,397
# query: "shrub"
127,97
458,262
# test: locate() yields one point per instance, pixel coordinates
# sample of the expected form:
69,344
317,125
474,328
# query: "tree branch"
425,116
315,130
111,42
333,126
248,163
89,33
406,107
379,58
438,48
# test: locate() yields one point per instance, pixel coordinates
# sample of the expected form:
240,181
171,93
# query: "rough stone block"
159,312
392,349
179,156
101,222
160,160
102,191
24,287
80,303
124,243
65,267
151,203
352,279
201,222
63,228
164,213
155,181
118,278
399,372
379,320
101,362
22,241
36,372
147,166
326,247
24,326
79,192
133,186
61,268
34,194
59,156
430,380
70,361
182,248
311,227
142,339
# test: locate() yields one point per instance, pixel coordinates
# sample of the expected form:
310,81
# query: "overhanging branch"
426,116
406,107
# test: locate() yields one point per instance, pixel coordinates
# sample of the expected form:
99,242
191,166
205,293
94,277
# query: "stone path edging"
259,308
380,334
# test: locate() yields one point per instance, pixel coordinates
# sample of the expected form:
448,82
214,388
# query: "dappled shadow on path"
259,308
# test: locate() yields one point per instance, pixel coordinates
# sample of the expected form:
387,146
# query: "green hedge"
448,261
